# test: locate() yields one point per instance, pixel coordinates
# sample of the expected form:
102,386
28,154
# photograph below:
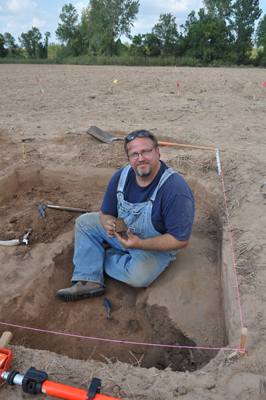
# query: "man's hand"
129,242
108,223
110,228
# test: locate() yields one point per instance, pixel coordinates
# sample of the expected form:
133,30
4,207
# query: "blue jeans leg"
89,254
136,268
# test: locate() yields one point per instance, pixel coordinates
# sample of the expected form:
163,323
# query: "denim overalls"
135,267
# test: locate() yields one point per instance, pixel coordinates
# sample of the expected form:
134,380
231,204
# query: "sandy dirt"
194,303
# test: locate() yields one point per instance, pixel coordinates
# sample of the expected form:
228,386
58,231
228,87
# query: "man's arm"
164,242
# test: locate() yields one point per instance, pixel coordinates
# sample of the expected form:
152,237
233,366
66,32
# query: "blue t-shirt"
173,209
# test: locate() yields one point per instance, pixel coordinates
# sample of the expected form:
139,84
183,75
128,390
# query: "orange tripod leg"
69,392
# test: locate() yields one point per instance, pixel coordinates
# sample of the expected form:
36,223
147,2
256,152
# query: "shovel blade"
101,135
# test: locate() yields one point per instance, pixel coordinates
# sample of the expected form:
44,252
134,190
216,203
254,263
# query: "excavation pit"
183,307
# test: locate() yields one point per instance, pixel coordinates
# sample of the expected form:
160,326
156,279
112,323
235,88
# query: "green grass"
127,60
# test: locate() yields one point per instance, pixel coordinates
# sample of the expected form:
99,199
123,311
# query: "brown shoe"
80,291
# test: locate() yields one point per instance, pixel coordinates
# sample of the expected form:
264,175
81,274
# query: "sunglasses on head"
140,134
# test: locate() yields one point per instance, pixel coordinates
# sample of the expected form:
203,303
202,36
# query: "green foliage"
263,61
3,50
67,29
129,60
246,12
53,50
13,48
83,29
220,33
121,48
31,42
261,32
42,51
220,9
137,47
153,45
207,38
166,31
71,33
108,20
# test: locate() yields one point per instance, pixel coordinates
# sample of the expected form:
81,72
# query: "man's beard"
143,174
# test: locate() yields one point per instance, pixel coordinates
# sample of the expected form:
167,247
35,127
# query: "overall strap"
122,179
167,173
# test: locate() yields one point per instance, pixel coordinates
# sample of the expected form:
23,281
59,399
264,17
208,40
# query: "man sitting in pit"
158,209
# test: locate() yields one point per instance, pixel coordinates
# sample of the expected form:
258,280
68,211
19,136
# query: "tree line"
222,30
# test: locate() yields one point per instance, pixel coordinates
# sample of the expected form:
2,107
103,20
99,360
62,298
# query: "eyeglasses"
140,134
144,153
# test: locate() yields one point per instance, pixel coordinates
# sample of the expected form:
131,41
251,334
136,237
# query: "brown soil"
194,302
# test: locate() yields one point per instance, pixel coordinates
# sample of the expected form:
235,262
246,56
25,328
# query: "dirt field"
194,304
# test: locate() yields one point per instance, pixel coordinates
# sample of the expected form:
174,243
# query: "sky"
18,16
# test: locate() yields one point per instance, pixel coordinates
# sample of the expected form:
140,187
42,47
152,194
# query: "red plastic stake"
177,85
40,85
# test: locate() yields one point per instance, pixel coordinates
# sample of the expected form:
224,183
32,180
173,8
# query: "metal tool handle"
13,242
67,208
107,304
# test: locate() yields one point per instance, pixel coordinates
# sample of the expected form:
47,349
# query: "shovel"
107,138
101,135
81,210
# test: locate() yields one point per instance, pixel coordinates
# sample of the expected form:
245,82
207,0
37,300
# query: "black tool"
28,140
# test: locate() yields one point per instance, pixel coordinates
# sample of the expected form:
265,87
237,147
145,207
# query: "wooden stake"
5,339
24,150
242,346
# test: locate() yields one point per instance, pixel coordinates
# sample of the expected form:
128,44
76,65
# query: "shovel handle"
187,145
67,208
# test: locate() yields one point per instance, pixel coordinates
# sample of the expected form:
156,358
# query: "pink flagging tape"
10,166
100,156
232,248
118,341
74,155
